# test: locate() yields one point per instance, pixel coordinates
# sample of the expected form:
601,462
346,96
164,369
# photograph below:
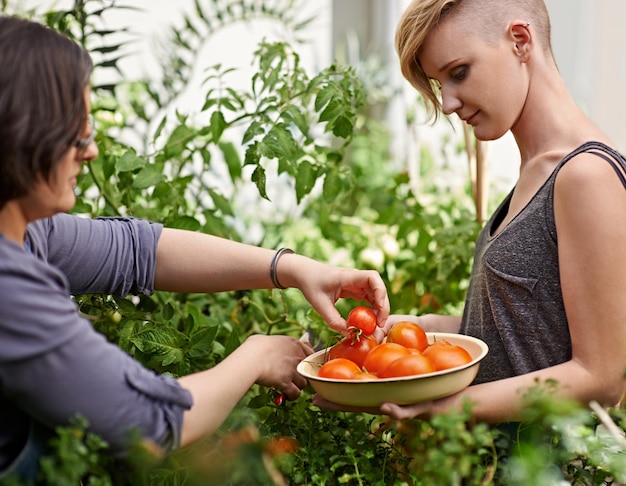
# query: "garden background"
285,123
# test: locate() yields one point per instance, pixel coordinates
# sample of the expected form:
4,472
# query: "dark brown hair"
43,76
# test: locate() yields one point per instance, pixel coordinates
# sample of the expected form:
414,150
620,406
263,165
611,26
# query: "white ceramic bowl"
401,390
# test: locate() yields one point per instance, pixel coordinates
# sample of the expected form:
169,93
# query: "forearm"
266,360
216,392
504,400
196,262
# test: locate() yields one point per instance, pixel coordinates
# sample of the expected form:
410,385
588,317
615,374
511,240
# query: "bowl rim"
483,346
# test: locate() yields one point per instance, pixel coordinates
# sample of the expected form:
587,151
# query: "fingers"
400,412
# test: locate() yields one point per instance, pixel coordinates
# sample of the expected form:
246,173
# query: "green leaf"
184,222
129,161
342,127
165,343
255,129
258,177
324,96
167,311
305,180
232,343
232,159
147,177
201,342
218,124
221,203
333,185
178,140
332,111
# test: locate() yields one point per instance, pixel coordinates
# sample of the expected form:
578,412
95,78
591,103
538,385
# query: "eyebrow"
448,64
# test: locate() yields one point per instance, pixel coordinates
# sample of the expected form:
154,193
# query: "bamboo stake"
478,170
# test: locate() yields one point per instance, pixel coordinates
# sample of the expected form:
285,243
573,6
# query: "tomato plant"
408,334
339,368
382,355
446,355
362,319
354,348
413,364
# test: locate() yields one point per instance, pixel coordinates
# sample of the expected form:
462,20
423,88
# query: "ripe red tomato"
446,355
409,334
383,354
413,364
354,348
362,318
339,368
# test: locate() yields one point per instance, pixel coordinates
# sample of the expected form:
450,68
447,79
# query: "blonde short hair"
487,17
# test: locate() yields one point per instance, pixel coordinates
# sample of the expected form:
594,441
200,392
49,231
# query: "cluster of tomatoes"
405,351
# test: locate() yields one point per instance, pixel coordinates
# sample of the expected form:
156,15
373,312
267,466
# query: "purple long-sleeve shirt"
53,365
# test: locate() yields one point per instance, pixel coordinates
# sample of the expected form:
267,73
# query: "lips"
470,119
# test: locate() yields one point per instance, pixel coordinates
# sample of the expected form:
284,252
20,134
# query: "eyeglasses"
83,143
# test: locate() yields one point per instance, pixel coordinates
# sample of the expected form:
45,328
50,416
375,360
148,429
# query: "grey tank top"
514,300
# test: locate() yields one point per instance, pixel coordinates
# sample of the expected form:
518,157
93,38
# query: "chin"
487,135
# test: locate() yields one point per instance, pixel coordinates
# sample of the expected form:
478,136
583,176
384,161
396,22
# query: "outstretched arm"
195,262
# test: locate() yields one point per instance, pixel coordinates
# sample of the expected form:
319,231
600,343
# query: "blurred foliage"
308,139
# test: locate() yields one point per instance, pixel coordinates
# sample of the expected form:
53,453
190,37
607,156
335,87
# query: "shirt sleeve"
53,365
103,255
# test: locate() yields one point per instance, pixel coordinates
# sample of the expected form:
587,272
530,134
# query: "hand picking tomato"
382,355
354,348
446,355
363,319
414,364
339,368
409,334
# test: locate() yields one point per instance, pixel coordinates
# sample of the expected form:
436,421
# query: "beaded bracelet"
274,264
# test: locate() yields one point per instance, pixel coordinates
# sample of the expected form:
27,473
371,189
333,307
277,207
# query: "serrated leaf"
165,343
201,342
258,177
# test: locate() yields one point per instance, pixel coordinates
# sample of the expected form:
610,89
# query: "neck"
13,222
551,120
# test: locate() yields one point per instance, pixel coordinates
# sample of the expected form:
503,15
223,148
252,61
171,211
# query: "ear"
520,34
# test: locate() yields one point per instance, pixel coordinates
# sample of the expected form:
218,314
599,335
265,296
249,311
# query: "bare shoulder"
592,171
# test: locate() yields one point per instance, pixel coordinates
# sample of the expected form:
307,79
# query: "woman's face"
484,84
56,194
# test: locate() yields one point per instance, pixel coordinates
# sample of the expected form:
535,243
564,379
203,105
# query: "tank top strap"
599,149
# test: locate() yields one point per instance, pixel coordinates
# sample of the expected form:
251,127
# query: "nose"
450,103
89,153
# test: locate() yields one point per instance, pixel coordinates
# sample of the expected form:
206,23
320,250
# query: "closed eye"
459,74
